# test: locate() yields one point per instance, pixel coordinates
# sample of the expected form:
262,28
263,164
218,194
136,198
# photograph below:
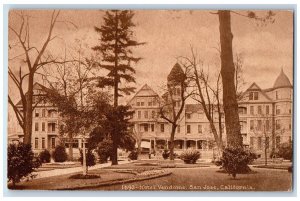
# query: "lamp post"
84,170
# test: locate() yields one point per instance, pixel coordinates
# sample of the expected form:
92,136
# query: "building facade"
265,119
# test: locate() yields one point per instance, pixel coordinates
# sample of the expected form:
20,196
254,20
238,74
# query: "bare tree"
174,101
71,80
34,59
206,94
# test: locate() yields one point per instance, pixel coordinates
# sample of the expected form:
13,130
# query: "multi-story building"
265,119
266,115
45,124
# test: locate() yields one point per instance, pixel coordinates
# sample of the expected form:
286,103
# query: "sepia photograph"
150,100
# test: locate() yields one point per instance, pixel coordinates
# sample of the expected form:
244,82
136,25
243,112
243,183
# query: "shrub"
59,154
133,155
104,150
90,158
166,154
285,151
236,160
21,162
45,156
190,156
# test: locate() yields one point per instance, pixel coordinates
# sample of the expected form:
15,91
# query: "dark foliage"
236,160
21,162
45,156
190,156
81,176
90,158
166,154
104,150
133,155
59,154
285,151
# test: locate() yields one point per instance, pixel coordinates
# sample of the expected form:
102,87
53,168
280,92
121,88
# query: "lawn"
208,179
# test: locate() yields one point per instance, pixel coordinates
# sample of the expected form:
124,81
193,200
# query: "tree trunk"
71,147
172,142
28,112
232,123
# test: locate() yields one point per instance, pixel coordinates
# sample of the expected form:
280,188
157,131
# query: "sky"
169,34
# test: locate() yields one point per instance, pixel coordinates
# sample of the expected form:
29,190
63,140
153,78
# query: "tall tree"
233,131
230,104
116,45
34,58
173,102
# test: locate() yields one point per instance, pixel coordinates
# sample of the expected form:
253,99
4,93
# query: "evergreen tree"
115,46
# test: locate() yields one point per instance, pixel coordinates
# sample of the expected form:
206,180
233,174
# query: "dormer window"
253,96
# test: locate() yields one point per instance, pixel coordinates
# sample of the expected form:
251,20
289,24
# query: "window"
188,128
188,116
259,143
199,128
153,114
253,96
43,143
267,143
139,114
277,95
251,124
146,114
51,127
278,124
36,126
290,126
259,125
267,125
146,127
251,141
150,103
290,111
37,114
142,103
277,109
162,128
251,109
43,126
267,109
178,91
138,103
277,141
152,127
242,110
53,143
43,112
259,111
36,143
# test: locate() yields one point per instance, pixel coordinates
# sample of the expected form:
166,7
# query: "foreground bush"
236,160
21,162
133,155
104,150
166,154
190,156
45,156
285,151
90,158
59,154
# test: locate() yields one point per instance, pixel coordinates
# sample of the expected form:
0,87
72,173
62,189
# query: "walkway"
56,172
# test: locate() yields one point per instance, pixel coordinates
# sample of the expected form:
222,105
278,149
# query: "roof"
193,108
176,75
36,86
145,91
282,81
